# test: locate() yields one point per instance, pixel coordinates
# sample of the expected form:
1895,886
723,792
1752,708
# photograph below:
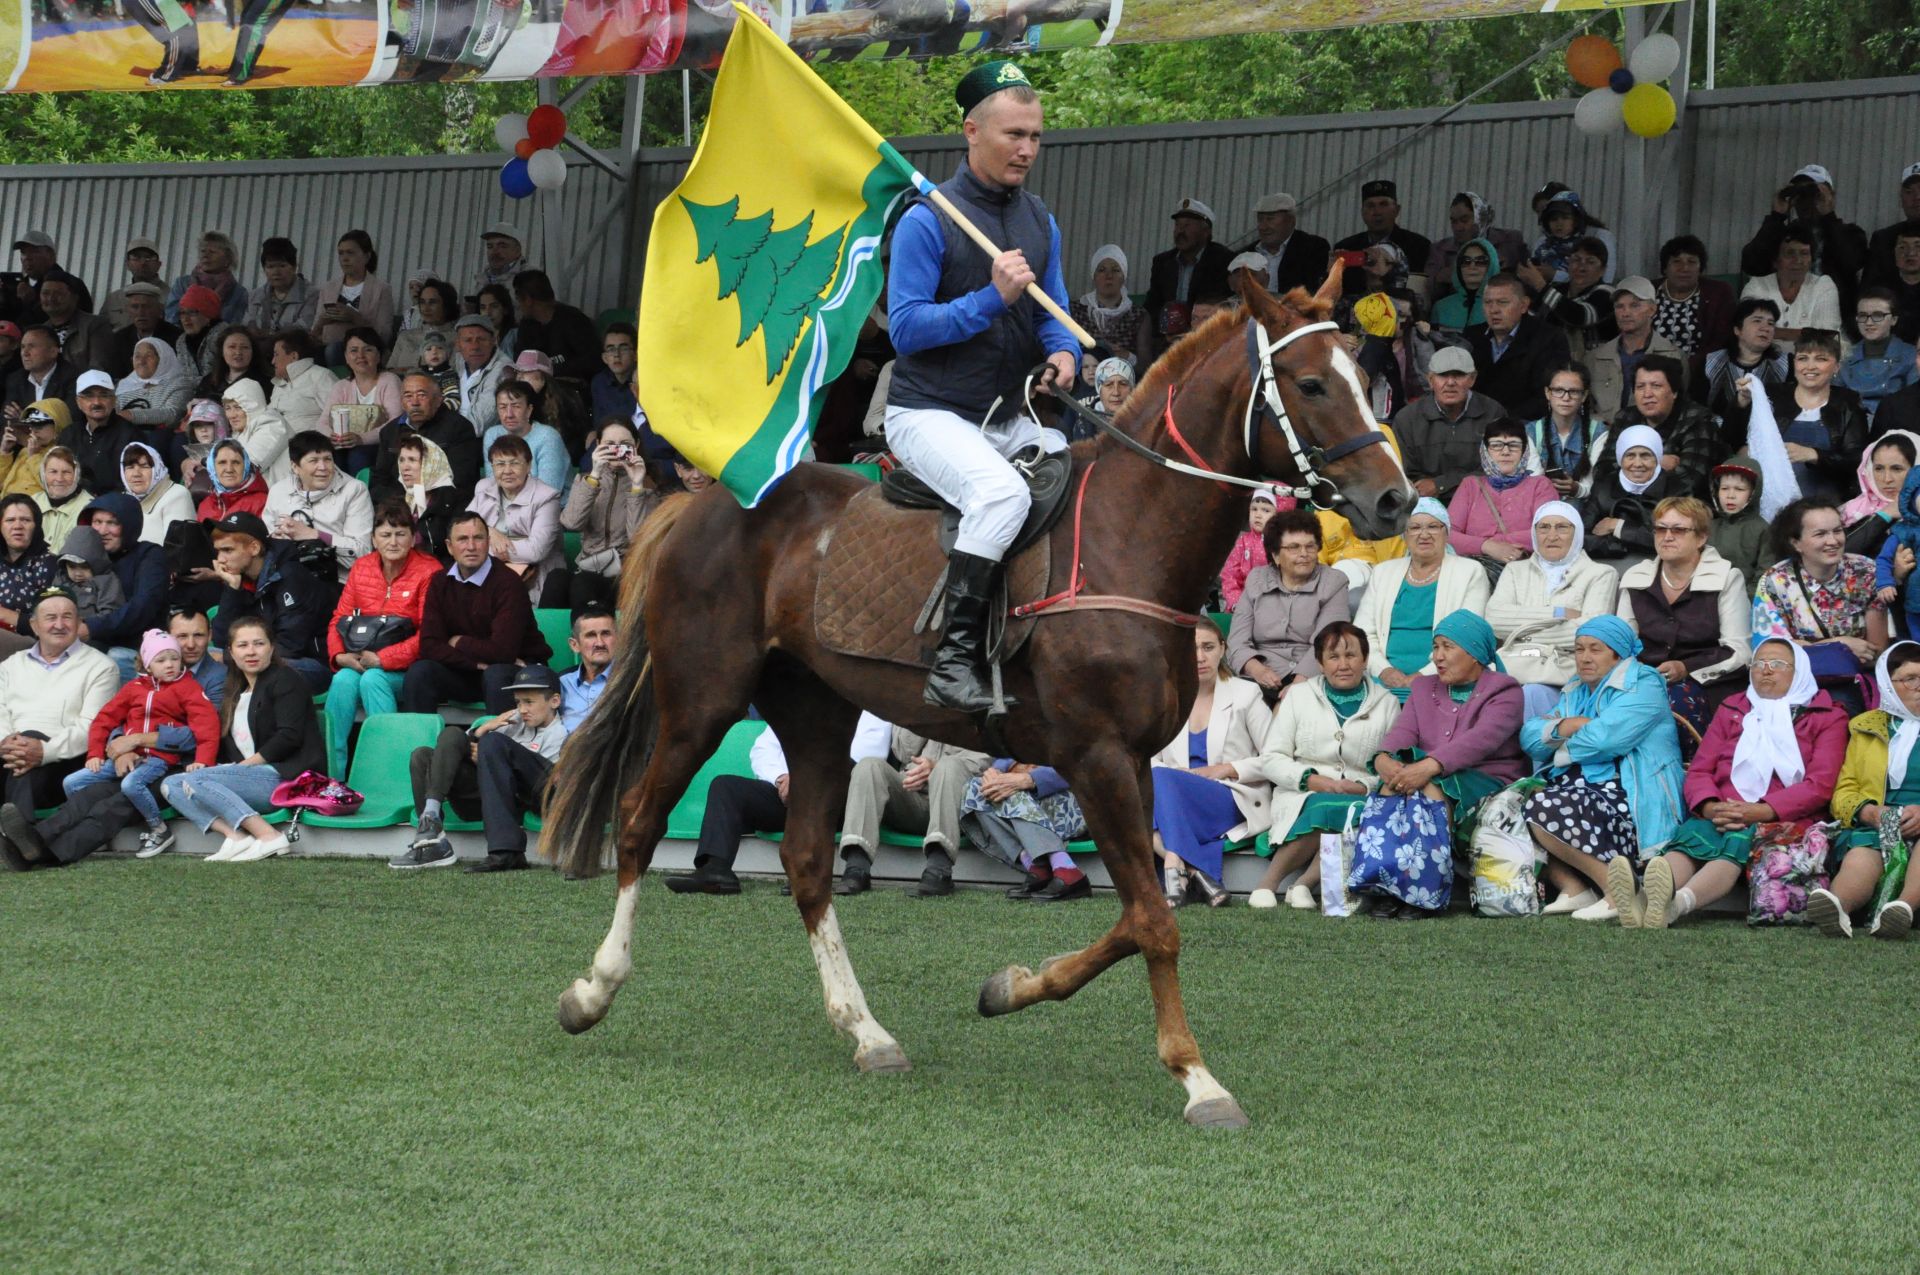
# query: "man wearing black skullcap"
966,335
1380,210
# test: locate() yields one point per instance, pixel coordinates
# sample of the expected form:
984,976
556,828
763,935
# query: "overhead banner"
64,46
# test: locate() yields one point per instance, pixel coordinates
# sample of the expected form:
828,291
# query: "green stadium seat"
556,626
570,545
866,469
381,770
1222,620
729,759
365,474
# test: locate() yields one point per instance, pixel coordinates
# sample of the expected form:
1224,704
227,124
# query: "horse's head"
1310,405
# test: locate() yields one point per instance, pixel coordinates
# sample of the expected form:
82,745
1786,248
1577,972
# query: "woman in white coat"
301,387
1203,794
1319,756
261,429
1406,595
1540,600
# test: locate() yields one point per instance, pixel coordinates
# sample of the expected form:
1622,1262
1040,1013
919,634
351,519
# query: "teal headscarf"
1469,631
1615,632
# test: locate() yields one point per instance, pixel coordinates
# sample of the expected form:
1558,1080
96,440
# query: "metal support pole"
686,108
1633,176
1713,39
547,92
636,209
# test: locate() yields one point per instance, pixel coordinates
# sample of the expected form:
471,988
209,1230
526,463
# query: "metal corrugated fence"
1107,185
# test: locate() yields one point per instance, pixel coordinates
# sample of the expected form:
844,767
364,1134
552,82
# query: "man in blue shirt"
592,641
966,335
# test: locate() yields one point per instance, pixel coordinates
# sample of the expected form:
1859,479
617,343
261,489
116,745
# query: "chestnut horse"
725,600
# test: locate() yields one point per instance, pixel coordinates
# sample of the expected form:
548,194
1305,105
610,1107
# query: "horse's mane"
1173,366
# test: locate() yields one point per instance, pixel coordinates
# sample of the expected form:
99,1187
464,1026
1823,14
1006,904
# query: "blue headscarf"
1469,631
1615,632
1433,509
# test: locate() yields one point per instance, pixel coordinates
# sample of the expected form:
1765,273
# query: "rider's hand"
1061,369
1011,275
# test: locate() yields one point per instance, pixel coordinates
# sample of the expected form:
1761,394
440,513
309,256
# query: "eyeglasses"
1563,392
1908,682
1507,445
1872,316
1772,666
1674,529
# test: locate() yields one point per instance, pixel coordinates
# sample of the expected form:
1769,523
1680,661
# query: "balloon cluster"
1624,92
535,165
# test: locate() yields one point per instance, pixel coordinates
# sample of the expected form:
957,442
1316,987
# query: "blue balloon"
1620,81
515,180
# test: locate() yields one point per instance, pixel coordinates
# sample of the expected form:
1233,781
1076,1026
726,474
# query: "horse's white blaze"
846,1003
613,963
1202,1087
1349,372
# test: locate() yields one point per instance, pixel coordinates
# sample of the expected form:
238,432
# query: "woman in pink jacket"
1491,514
1771,754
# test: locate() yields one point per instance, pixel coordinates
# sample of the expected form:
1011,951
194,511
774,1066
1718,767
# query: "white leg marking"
1202,1087
613,963
846,1003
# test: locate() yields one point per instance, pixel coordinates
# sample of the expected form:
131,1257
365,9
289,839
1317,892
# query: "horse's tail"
607,756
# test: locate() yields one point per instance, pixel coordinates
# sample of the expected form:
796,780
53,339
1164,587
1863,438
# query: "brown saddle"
880,573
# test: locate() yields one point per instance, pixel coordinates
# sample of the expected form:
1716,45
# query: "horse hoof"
996,994
881,1059
574,1017
1216,1113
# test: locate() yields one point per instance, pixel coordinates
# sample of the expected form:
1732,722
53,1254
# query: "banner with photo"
59,46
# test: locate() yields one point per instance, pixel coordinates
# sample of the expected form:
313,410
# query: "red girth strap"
1071,599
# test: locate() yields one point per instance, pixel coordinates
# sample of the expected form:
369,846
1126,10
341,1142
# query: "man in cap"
1440,433
101,433
38,255
1380,212
263,578
1193,267
1612,363
564,333
1880,267
143,266
966,335
146,307
1807,202
426,412
42,374
86,340
501,257
481,367
1295,259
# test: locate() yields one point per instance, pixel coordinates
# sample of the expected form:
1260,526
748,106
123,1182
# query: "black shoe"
501,861
430,831
19,830
433,854
1385,910
1058,891
13,858
959,678
1030,887
854,880
1211,892
704,881
934,883
1408,912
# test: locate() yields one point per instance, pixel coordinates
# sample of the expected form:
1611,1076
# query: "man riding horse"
966,334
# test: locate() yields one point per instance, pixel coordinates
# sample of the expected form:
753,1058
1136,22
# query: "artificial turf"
303,1065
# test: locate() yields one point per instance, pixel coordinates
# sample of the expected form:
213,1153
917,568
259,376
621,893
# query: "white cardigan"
1521,612
1714,575
1234,730
1307,734
1462,586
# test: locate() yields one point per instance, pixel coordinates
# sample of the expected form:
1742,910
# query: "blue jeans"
228,793
135,786
375,690
318,679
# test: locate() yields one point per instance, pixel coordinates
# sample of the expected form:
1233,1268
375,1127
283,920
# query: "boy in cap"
500,766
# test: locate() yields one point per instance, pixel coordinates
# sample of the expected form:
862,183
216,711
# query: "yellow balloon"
1649,110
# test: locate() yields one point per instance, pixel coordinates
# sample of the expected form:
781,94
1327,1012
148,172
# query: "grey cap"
143,290
1451,359
476,321
1275,203
34,239
1636,285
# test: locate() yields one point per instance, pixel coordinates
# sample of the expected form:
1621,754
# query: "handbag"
1533,662
1336,857
1506,862
1787,862
311,790
372,632
1403,849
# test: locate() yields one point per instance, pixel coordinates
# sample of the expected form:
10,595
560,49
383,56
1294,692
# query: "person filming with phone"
606,505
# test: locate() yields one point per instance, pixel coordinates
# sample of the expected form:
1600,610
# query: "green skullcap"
984,81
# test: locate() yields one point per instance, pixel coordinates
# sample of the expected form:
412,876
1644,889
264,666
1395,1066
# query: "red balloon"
525,148
546,126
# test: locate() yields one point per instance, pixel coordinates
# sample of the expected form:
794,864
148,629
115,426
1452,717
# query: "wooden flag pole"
1034,289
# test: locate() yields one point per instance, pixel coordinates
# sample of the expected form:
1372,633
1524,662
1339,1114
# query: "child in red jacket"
160,714
1249,551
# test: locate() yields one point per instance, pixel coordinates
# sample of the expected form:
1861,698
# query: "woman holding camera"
605,505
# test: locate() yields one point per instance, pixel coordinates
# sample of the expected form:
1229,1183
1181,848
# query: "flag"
763,264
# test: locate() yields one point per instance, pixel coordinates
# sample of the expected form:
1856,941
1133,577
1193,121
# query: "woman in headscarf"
1491,514
1470,217
154,393
1877,805
37,432
1771,755
1107,311
426,479
1405,595
163,501
1540,601
1884,466
1457,741
1208,788
1025,816
1611,759
237,485
26,569
1318,754
61,496
260,429
1619,509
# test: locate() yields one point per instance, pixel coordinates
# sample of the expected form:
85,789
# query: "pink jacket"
1248,552
1472,519
1821,731
1482,734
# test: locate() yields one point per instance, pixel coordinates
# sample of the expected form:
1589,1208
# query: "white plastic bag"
1336,856
1506,863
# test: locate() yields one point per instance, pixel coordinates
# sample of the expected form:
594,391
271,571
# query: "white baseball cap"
34,239
1194,208
1254,261
502,230
1817,173
1909,173
93,381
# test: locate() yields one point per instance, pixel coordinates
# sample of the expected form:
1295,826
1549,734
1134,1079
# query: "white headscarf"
1779,485
1101,313
1557,571
168,368
1906,730
1767,745
1638,436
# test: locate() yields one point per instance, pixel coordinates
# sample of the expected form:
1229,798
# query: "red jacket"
1821,731
142,706
368,592
249,498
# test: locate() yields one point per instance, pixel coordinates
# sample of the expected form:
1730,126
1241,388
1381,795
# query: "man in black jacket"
427,414
1899,410
1513,353
42,372
1806,202
99,435
1380,210
1194,267
1295,259
263,579
562,332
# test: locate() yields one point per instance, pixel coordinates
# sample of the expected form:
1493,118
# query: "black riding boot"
959,678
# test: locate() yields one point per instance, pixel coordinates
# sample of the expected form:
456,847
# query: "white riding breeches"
967,464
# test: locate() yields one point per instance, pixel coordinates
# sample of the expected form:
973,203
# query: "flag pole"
987,246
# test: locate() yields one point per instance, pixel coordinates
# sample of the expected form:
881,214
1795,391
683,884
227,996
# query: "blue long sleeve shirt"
916,322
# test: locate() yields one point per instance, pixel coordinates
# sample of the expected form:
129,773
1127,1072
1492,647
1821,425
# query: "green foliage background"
1317,72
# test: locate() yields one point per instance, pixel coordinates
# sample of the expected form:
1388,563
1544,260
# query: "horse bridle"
1263,405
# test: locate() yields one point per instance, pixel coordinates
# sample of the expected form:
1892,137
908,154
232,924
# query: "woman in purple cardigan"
1458,738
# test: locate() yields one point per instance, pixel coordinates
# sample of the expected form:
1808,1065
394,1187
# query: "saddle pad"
877,571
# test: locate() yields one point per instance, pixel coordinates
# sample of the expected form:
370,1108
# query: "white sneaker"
1301,899
1262,899
1570,903
229,848
1601,911
263,850
1894,921
1827,915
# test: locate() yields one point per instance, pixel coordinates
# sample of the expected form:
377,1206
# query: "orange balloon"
1591,59
524,148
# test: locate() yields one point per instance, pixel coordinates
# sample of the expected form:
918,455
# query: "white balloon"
1597,113
1655,58
547,169
509,129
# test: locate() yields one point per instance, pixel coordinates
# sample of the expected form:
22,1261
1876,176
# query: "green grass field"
326,1065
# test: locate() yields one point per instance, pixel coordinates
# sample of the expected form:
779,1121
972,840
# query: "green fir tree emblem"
775,275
